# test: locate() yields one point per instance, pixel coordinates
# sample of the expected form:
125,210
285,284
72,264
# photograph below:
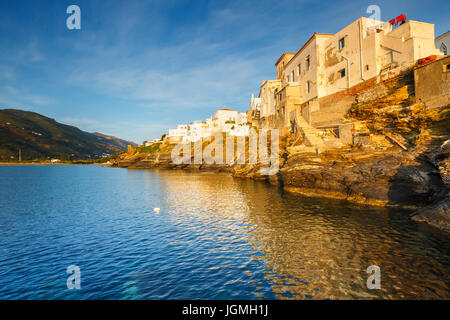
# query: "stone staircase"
257,115
308,132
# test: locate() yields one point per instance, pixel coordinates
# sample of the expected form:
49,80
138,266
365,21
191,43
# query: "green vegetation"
150,149
39,137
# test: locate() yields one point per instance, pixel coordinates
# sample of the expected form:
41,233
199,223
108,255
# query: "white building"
198,130
225,120
255,103
242,118
241,131
236,129
179,134
213,126
224,116
180,131
443,43
267,97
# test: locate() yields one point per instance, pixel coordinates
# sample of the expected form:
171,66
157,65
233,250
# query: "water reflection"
312,248
215,238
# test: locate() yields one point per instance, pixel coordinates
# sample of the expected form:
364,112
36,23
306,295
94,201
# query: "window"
390,57
341,43
342,73
293,76
447,67
308,62
299,69
309,86
443,49
367,67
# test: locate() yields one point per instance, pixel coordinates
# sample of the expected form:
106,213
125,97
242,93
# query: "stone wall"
331,110
432,83
371,94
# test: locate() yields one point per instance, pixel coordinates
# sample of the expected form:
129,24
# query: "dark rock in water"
393,177
390,178
438,214
276,179
390,152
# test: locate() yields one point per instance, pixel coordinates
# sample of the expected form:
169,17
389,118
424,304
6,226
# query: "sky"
137,68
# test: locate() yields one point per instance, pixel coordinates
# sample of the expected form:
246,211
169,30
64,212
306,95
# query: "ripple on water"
215,237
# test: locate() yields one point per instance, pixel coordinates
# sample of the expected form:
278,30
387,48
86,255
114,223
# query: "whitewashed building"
224,116
179,134
255,103
443,43
180,131
242,118
236,130
197,131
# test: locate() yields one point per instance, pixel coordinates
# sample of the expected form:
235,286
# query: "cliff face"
399,157
372,177
438,213
394,165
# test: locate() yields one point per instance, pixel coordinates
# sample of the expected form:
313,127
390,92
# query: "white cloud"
202,67
197,87
120,129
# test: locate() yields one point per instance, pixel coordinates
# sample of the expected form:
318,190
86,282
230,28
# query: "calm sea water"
215,238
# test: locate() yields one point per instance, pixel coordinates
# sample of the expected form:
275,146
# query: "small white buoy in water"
156,210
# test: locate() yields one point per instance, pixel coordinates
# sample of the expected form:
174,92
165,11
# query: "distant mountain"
41,137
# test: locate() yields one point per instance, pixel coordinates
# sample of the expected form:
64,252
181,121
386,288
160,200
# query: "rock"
371,94
384,178
438,214
369,169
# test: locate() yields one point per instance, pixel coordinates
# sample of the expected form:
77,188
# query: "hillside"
40,137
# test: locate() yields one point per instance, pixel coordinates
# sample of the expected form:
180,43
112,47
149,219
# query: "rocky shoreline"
398,156
418,178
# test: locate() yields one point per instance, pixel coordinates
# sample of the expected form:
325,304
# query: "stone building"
432,83
330,63
267,96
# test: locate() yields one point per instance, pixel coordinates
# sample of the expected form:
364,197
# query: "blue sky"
138,68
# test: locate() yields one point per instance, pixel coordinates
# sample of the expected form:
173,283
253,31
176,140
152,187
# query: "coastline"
273,180
298,191
44,164
413,179
201,209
